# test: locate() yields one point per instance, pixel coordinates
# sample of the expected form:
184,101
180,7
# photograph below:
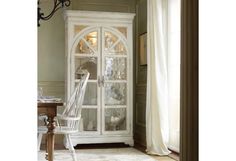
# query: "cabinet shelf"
116,56
117,106
85,55
89,107
91,80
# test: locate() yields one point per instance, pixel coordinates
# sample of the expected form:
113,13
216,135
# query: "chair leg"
39,140
68,141
71,148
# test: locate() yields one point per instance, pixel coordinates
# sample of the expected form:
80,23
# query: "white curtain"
157,130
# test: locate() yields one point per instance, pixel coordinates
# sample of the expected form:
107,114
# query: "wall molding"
141,89
137,121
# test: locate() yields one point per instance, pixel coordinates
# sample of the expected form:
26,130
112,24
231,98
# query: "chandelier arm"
67,3
57,5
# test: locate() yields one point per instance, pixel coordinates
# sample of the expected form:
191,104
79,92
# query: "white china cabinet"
102,43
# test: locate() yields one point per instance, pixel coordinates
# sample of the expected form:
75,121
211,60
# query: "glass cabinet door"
88,44
115,83
86,57
115,119
103,53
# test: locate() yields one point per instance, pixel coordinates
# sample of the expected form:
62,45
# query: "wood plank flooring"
171,157
163,158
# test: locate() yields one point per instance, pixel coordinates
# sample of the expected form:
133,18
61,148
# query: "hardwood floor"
171,157
163,158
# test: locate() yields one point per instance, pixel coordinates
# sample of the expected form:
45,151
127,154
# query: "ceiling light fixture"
57,5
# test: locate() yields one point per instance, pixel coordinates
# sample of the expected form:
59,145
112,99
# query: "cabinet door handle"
99,81
102,81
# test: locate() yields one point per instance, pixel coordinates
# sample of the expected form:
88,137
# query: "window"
174,73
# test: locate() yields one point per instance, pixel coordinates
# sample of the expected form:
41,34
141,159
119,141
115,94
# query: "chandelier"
57,5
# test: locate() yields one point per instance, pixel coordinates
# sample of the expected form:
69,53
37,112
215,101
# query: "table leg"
50,146
50,138
46,157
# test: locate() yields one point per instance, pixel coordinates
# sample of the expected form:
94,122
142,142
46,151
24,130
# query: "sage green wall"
51,48
51,43
141,77
51,52
105,5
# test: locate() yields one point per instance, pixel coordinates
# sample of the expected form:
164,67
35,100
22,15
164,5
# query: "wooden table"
49,109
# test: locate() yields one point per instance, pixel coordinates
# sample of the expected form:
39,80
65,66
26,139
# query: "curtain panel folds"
157,127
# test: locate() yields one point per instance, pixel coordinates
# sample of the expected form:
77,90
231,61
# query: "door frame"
189,81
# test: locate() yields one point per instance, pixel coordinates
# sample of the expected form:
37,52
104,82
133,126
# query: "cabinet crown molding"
77,14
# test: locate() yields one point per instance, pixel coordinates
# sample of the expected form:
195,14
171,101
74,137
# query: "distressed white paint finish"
100,21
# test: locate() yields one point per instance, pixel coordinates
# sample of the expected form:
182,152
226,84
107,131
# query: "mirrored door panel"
91,94
110,39
115,94
87,63
113,44
89,120
115,119
115,68
88,44
117,49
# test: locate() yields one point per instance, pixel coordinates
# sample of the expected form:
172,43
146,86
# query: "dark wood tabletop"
49,104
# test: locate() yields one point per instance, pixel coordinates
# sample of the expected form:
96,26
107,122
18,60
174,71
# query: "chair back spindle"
73,109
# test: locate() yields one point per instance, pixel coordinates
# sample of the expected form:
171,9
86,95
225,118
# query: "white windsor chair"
68,122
